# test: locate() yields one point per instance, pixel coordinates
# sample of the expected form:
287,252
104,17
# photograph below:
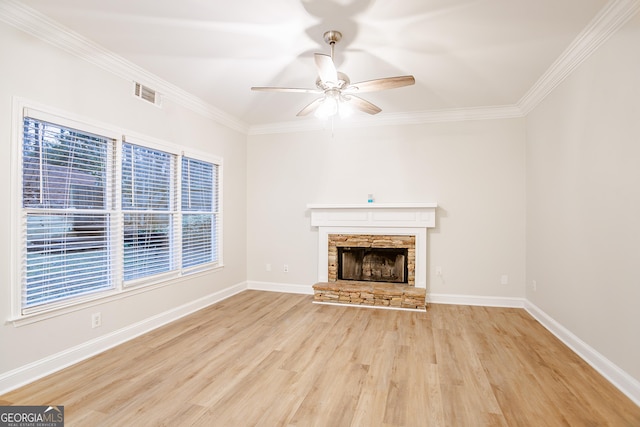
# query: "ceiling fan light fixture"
331,106
345,109
328,108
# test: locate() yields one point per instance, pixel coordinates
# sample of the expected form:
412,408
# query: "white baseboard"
41,368
616,376
475,300
280,287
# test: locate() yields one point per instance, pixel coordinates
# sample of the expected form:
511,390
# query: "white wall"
474,171
37,71
583,201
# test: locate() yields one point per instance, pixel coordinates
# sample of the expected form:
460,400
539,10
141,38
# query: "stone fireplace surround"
386,221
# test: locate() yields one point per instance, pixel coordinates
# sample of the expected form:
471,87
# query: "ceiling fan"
338,91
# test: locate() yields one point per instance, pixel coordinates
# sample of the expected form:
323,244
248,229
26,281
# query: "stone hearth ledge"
373,294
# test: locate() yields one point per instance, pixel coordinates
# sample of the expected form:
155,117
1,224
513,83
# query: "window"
91,223
147,177
64,200
199,211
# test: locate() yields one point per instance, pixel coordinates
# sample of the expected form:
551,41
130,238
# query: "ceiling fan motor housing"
343,82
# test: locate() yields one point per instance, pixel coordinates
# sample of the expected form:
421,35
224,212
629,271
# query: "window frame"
24,108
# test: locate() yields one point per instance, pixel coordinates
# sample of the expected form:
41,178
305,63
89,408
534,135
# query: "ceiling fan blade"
380,84
310,108
326,68
363,105
285,89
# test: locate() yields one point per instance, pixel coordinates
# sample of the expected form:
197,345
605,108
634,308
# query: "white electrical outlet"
96,320
534,285
285,268
504,279
268,267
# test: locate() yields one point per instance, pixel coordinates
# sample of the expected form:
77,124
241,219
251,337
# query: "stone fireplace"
373,254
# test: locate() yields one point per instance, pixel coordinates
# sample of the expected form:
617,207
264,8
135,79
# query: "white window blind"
66,175
98,213
199,207
147,201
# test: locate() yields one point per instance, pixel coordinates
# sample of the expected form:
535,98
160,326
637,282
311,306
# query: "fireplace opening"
373,264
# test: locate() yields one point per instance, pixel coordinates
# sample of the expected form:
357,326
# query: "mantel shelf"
429,205
373,215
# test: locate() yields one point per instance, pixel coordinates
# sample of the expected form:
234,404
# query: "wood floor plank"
270,359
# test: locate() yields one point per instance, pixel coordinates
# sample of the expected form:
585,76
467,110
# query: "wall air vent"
146,93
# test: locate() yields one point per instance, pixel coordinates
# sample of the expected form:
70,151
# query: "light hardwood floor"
270,359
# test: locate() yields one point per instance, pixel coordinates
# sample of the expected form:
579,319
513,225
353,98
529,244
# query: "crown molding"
391,119
38,25
609,20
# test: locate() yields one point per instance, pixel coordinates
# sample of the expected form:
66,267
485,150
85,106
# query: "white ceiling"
464,54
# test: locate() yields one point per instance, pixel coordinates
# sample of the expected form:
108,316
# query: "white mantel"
374,214
410,219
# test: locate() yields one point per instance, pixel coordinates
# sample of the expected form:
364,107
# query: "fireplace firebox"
369,264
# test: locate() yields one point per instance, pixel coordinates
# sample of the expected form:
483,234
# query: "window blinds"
147,201
100,213
64,199
199,207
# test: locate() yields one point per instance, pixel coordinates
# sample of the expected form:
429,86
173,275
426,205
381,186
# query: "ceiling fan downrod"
331,38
